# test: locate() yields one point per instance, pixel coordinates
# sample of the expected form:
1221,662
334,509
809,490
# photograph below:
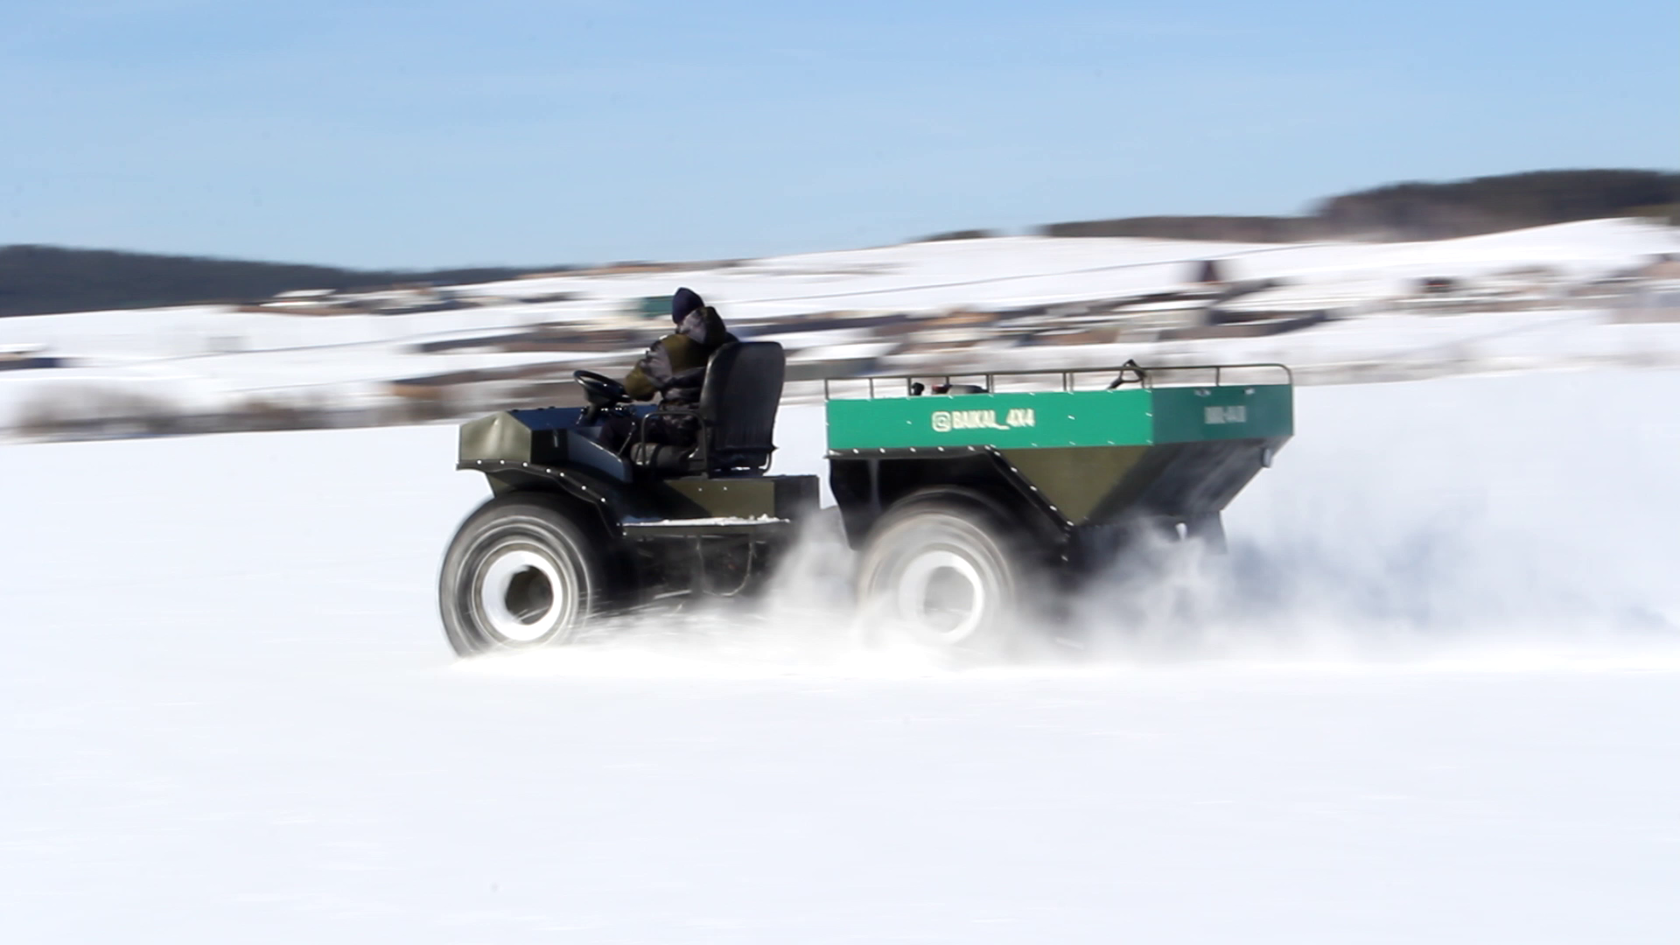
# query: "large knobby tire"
944,574
520,573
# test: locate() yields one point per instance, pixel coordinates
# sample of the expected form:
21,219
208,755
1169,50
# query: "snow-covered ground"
1429,697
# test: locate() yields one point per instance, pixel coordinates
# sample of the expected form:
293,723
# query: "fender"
603,498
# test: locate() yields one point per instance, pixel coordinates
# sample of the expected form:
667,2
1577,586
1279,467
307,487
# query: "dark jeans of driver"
660,430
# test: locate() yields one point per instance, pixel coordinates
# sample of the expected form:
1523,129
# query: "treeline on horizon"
36,280
1425,211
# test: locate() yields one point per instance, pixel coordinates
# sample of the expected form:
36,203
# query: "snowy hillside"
1547,297
1428,697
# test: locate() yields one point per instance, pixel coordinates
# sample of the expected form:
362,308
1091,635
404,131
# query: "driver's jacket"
674,367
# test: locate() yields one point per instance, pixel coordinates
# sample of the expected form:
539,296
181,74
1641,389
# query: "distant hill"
36,280
1420,210
42,279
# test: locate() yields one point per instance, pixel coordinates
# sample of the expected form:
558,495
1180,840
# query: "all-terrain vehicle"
959,498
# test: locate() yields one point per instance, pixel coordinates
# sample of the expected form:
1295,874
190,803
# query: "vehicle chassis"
1021,478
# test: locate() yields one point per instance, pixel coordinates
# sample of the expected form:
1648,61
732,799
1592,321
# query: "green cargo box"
1053,419
1175,448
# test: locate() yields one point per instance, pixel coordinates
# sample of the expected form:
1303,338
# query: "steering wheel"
602,392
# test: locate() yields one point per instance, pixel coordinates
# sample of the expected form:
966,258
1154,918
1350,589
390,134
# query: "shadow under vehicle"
961,500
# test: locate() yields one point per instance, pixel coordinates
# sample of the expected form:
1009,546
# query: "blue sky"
420,133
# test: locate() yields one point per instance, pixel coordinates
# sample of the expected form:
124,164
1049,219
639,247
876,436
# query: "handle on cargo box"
1130,365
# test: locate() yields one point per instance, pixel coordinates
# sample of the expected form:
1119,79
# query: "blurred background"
225,217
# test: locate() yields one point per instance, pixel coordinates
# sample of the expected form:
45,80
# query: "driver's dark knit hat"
685,301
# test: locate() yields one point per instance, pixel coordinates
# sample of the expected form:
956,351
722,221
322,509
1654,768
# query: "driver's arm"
651,373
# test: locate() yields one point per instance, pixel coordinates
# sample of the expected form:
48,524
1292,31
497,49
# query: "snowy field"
1431,696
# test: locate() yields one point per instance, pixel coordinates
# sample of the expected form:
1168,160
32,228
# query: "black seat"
737,413
738,406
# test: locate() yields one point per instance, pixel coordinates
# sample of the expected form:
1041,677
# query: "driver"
674,369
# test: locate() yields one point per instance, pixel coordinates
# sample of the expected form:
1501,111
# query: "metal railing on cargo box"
1127,375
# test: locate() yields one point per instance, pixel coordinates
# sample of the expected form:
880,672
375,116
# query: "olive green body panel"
1076,479
786,497
1180,481
547,450
498,436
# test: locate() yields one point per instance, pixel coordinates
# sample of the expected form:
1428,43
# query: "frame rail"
1145,377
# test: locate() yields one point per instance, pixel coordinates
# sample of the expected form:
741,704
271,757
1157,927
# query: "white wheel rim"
536,574
916,587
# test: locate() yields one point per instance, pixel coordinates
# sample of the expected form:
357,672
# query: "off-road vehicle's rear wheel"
519,573
944,573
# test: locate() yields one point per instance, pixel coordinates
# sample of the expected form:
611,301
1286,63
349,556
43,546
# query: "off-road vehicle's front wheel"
944,573
519,573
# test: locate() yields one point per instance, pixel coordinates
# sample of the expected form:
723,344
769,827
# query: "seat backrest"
738,405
